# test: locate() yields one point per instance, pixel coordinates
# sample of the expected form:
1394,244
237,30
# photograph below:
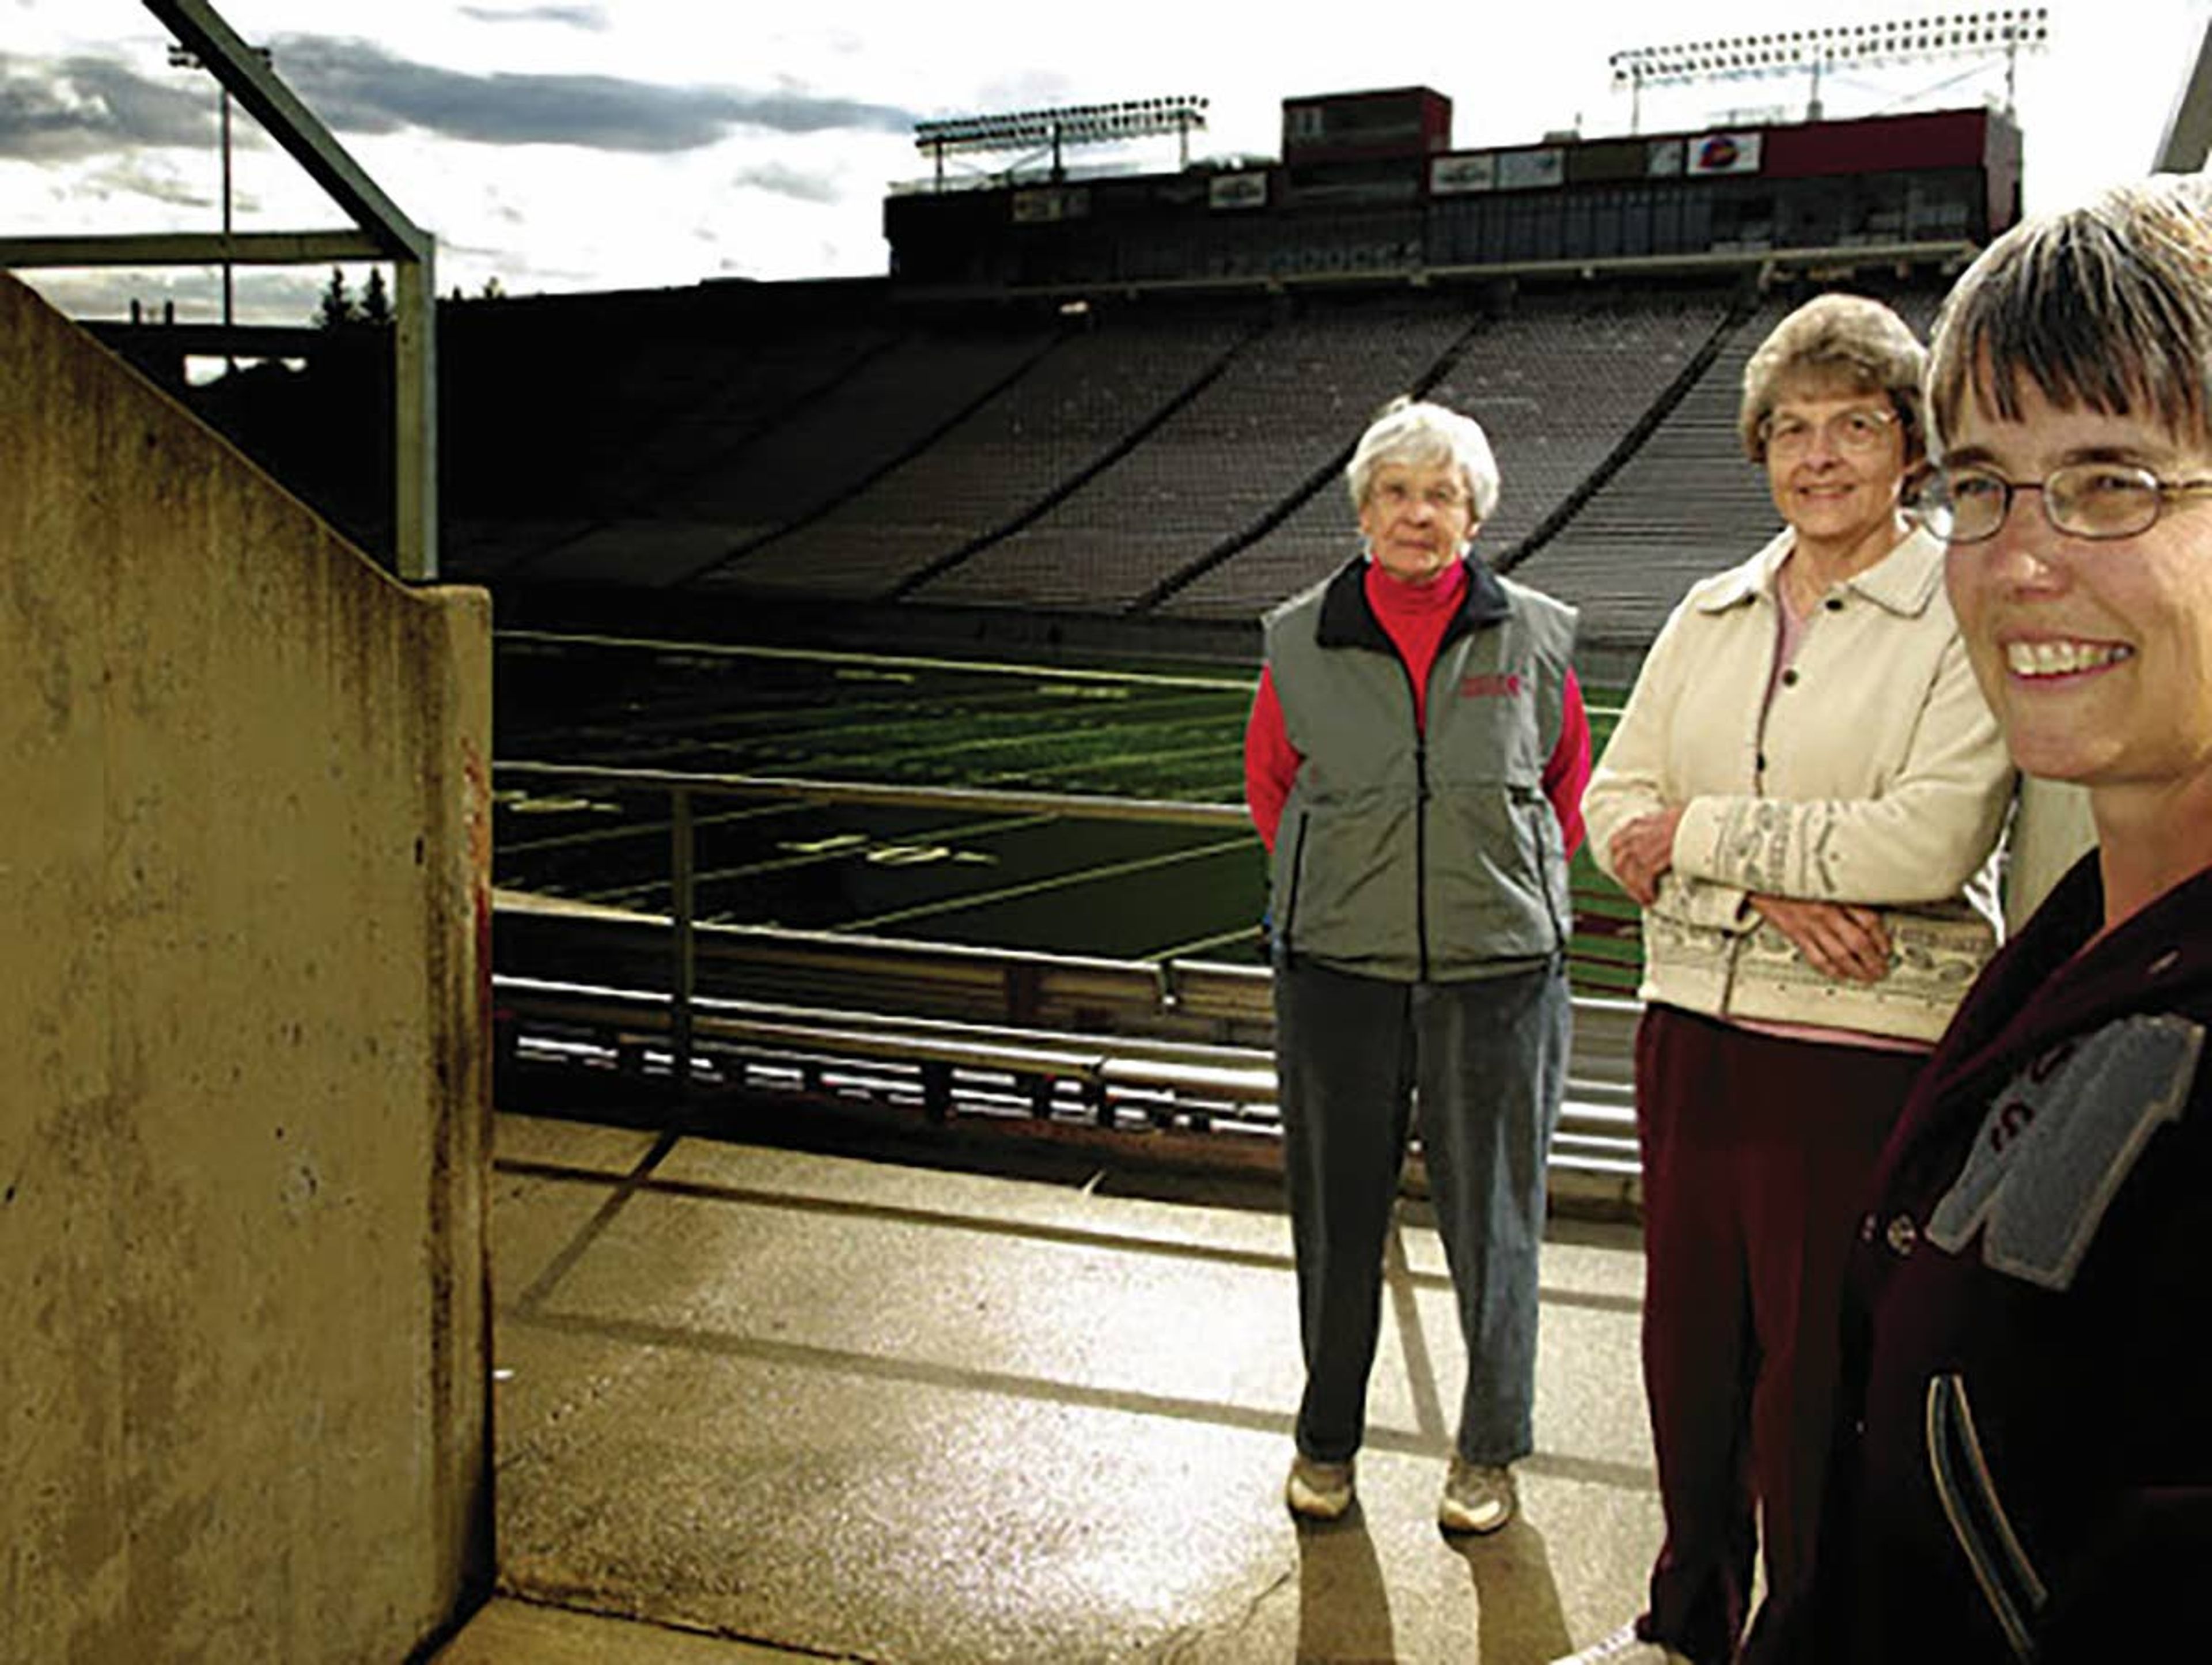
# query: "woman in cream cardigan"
1803,794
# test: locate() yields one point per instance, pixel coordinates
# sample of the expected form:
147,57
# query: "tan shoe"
1318,1491
1478,1497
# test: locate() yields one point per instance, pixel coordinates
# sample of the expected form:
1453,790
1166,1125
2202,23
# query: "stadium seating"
891,403
570,414
1176,457
1556,383
1107,382
1686,504
1257,438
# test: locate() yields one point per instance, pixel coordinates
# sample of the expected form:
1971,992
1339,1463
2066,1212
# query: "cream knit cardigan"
1877,776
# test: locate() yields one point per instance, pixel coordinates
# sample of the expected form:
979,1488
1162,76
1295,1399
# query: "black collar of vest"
1347,620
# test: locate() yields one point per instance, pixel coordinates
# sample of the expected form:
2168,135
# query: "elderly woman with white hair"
1414,761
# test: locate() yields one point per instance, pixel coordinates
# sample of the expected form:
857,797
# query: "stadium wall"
245,1146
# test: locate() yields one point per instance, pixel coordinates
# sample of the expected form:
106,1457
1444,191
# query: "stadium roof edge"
1765,263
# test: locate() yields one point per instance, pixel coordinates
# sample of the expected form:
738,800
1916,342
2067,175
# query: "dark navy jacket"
2024,1451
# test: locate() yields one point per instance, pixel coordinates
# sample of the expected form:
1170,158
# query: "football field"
1014,876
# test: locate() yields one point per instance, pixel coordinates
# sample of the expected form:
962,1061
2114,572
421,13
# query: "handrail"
1201,1014
683,786
1075,805
1180,995
1168,1078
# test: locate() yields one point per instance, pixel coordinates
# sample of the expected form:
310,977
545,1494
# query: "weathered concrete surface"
511,1633
243,1135
864,1411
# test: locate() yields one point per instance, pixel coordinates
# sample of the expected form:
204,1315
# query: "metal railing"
1193,1035
683,789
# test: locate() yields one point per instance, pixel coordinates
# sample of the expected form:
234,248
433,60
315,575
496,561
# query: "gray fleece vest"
1419,857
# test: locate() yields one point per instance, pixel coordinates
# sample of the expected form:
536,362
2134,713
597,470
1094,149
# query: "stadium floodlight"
2009,30
183,58
1072,123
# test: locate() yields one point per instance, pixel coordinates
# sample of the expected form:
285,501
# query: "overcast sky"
581,145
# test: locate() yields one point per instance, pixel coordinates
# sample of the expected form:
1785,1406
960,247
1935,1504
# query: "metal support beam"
384,233
414,403
191,248
682,904
2188,136
273,105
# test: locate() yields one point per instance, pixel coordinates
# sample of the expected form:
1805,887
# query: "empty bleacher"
891,404
1102,389
1257,438
1686,504
1556,383
1169,457
568,416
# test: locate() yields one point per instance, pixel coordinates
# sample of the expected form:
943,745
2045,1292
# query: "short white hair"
1416,434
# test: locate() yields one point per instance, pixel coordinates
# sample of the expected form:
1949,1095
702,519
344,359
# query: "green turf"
1177,735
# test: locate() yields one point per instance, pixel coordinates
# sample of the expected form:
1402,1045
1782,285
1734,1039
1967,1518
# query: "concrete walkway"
854,1409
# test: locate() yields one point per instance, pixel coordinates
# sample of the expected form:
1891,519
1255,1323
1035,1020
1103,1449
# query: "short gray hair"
1847,337
2107,305
1416,434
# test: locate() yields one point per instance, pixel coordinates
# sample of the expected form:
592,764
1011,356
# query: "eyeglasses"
2084,500
1854,432
1397,495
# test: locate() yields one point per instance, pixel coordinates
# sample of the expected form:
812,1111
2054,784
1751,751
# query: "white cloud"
583,143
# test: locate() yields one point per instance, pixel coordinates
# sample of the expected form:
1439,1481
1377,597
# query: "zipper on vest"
1420,809
1421,850
1537,807
1291,902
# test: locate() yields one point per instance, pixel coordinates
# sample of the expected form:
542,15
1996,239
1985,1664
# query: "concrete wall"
244,1120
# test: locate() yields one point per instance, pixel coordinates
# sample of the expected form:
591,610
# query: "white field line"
1038,887
889,661
814,858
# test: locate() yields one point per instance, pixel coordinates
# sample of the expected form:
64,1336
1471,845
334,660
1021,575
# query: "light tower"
2008,30
1040,130
183,58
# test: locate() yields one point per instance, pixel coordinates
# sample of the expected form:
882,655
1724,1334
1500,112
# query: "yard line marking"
642,828
831,713
816,656
815,858
1038,887
1029,734
1122,759
1244,933
822,754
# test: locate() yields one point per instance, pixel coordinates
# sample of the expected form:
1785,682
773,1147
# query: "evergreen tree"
375,299
337,308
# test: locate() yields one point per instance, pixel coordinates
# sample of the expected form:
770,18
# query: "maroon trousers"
1758,1152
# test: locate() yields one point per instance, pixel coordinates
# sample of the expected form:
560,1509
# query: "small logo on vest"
1491,685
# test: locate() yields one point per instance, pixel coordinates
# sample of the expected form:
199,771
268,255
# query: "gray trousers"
1485,1062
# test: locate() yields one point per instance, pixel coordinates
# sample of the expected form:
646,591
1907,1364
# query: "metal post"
2187,139
681,901
229,361
415,415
